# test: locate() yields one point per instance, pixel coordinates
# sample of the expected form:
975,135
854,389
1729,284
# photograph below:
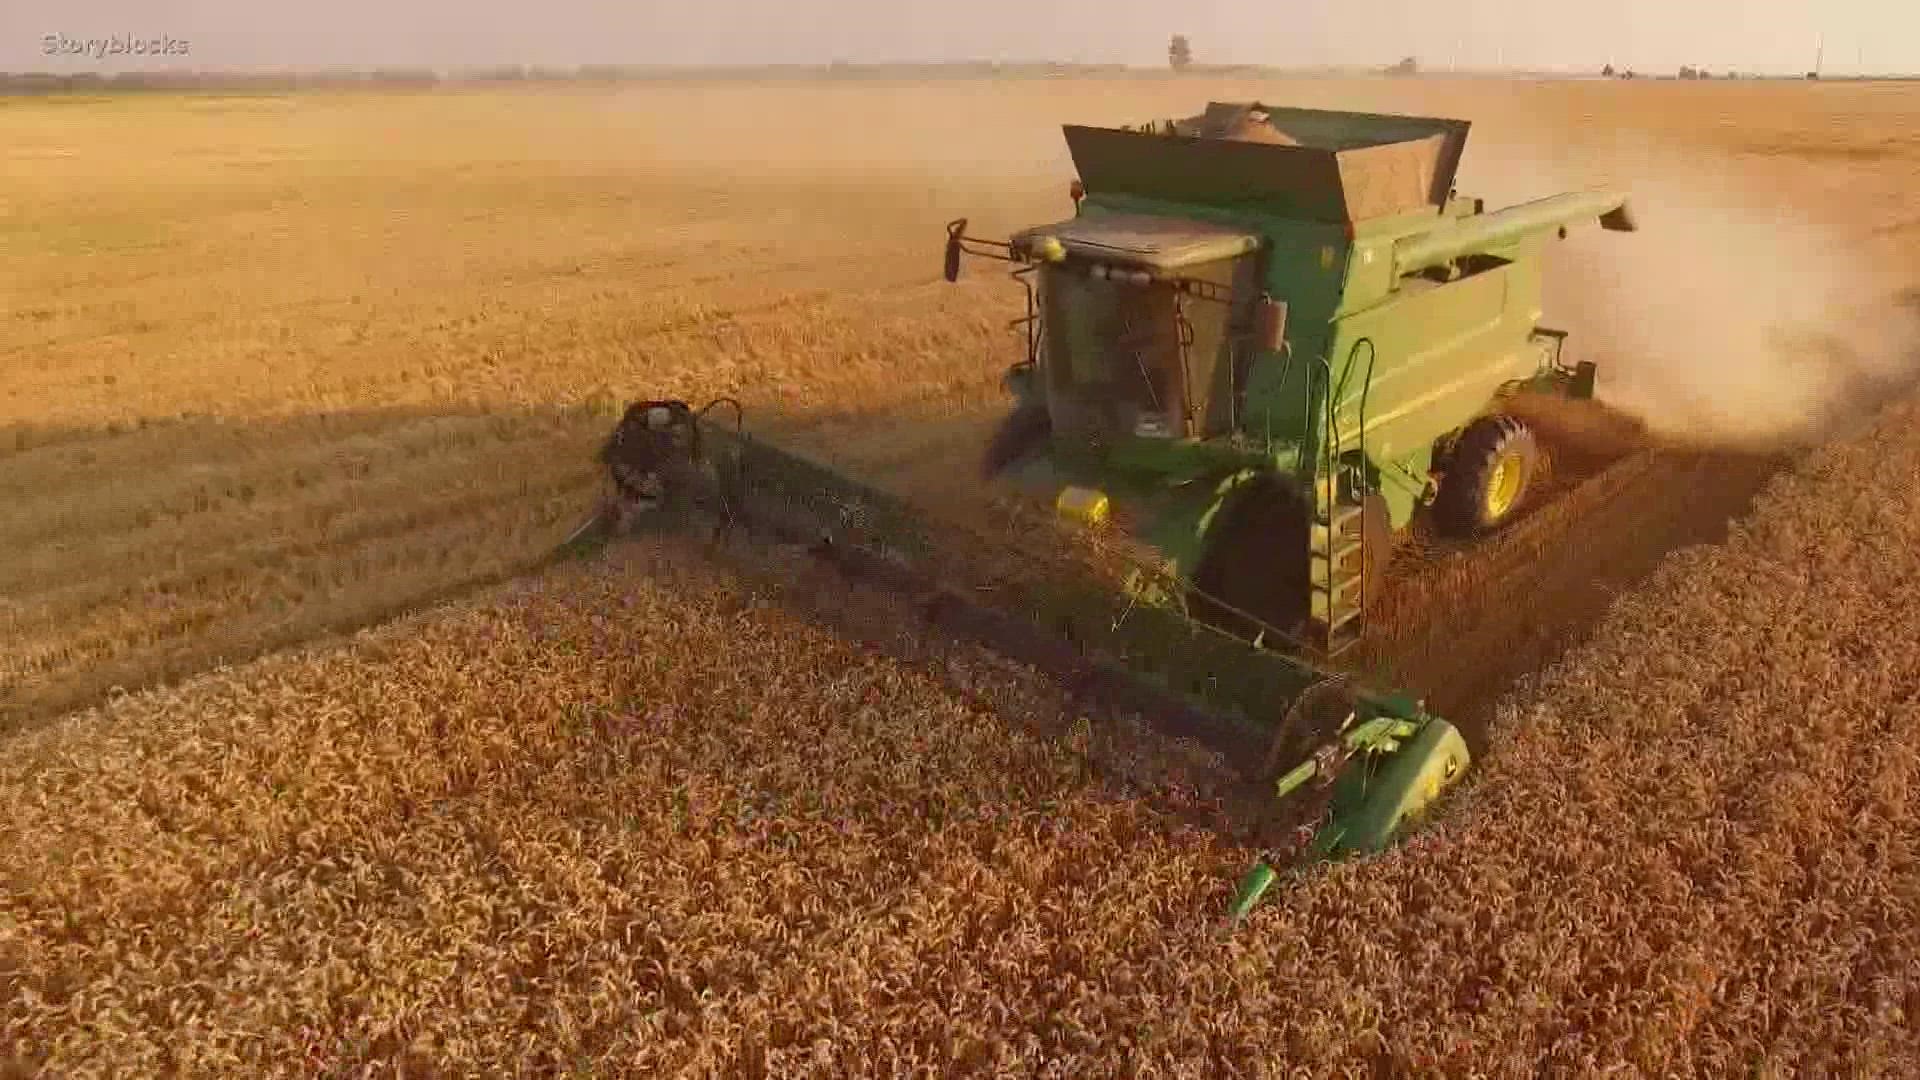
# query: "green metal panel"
1375,802
1307,267
1402,481
1370,278
1429,360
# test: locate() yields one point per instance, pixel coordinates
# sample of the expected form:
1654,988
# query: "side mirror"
954,231
1619,219
1270,324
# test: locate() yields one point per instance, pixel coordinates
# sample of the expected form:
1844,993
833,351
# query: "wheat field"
278,368
647,817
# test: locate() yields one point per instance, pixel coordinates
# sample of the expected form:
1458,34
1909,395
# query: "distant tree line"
1691,73
31,82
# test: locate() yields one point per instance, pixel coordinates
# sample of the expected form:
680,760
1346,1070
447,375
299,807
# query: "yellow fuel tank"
1083,505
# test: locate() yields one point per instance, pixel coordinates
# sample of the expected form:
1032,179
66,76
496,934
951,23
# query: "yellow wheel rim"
1503,487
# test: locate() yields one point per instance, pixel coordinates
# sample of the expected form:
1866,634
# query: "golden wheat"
293,381
637,818
327,357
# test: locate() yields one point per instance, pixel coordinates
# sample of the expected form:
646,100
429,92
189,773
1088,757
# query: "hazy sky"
1653,35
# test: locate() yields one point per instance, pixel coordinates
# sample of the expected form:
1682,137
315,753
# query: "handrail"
1331,450
1032,319
1366,391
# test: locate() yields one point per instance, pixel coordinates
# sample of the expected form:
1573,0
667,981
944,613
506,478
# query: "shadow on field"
139,553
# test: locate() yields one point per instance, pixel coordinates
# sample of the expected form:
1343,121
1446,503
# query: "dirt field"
320,360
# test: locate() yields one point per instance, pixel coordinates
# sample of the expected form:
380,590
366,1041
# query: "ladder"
1336,560
1337,538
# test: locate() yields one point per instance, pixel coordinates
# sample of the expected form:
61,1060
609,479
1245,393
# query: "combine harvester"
1264,340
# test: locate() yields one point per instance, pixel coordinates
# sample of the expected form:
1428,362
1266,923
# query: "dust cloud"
1731,317
1740,314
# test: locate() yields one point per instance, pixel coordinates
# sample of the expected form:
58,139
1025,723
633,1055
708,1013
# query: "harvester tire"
1255,559
1487,475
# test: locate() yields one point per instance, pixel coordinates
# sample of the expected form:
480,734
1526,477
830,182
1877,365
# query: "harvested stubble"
637,818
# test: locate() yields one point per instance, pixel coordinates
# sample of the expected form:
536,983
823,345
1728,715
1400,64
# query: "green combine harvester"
1264,340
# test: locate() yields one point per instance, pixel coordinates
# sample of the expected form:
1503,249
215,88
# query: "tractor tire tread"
1457,505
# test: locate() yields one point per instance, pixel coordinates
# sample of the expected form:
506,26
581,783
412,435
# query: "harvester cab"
1267,337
